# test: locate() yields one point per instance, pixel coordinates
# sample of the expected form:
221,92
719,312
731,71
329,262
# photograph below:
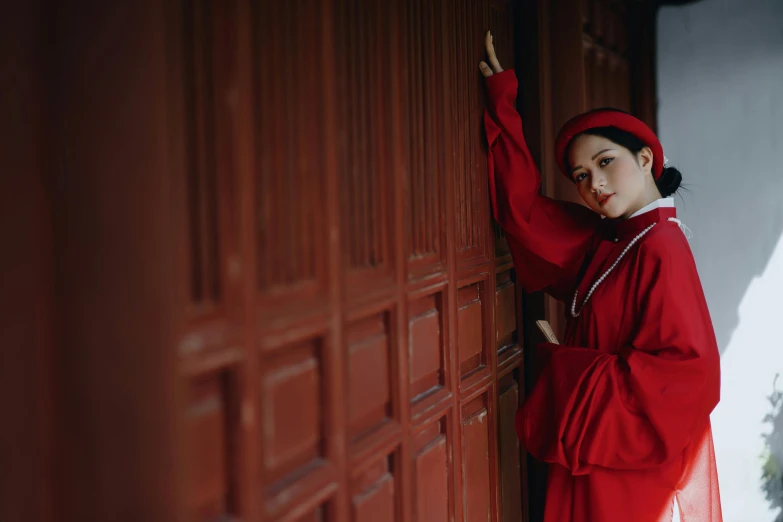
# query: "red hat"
608,118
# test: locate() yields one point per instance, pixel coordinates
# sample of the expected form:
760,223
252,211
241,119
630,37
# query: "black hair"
670,179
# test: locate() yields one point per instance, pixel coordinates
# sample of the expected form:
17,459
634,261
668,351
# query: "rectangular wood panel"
431,482
363,84
471,328
374,494
505,310
606,54
318,515
207,420
292,379
509,451
476,485
467,106
425,344
369,374
421,45
289,143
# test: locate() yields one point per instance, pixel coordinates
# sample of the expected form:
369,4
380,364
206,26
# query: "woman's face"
610,179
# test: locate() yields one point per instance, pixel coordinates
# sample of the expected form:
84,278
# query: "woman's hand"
494,65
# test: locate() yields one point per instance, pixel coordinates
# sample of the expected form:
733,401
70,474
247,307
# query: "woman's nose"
598,181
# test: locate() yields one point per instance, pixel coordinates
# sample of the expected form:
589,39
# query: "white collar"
658,203
662,202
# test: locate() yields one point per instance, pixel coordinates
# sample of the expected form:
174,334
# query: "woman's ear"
646,159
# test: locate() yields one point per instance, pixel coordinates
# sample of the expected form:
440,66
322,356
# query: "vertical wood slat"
335,364
398,138
453,370
428,96
201,151
249,450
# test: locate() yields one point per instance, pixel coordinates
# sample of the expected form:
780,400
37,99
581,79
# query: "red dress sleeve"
548,239
641,406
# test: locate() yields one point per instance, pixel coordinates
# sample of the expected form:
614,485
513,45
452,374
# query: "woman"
620,410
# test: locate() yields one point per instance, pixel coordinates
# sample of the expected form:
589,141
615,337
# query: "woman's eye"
579,177
606,161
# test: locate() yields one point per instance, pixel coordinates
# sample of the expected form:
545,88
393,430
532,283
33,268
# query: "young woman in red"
620,410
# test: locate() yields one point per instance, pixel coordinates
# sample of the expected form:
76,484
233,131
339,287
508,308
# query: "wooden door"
353,350
591,54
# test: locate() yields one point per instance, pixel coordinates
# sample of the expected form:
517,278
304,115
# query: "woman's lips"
604,200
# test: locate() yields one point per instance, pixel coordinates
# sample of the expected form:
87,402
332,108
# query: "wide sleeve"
640,407
548,239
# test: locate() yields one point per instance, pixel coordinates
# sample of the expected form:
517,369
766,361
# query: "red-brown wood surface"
346,305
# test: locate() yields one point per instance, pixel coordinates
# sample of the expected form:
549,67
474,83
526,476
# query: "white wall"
720,88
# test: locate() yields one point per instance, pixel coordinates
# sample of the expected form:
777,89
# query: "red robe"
620,410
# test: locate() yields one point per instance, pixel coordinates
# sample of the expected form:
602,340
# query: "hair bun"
669,181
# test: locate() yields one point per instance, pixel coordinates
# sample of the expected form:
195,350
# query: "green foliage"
772,459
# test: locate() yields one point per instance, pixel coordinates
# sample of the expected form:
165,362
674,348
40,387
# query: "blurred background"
249,270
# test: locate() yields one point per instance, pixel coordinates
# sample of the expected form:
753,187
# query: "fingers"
493,59
494,64
485,70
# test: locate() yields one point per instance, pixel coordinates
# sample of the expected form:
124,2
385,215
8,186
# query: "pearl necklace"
641,234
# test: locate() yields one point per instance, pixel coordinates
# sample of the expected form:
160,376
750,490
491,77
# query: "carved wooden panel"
426,336
431,475
467,108
476,483
471,325
292,377
374,493
369,374
290,151
605,40
210,427
505,310
317,515
420,31
363,81
509,450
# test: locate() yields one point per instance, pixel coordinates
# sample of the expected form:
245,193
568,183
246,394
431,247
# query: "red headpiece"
608,118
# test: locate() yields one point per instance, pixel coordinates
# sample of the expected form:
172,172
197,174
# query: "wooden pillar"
25,272
117,290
